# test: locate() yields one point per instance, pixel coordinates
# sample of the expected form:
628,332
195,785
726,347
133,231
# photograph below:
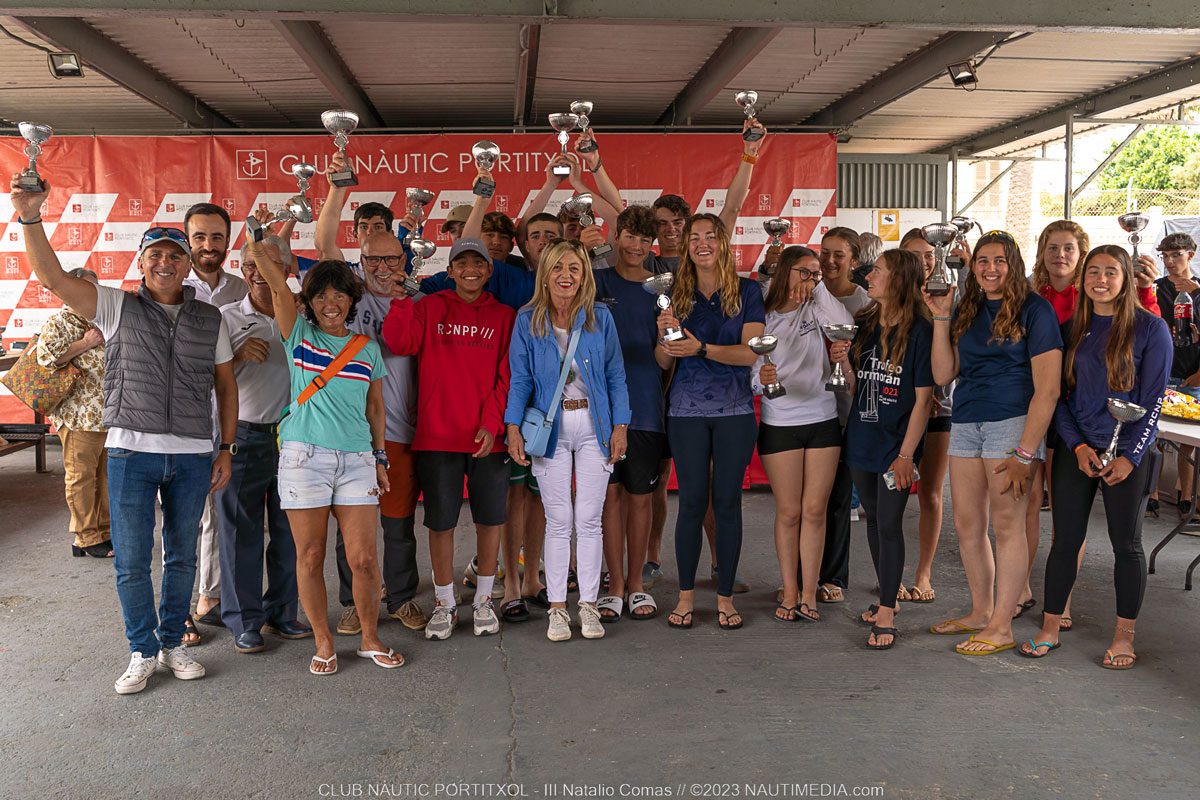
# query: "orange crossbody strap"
357,343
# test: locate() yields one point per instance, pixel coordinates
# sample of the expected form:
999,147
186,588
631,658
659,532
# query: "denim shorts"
989,439
314,477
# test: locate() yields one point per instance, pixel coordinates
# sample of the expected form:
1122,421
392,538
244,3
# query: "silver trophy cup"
341,123
838,333
763,345
776,228
660,286
35,134
298,208
965,225
421,250
582,108
746,100
564,124
1122,411
941,235
580,207
1134,223
417,200
486,155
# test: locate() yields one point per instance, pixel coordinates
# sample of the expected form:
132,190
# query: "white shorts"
314,477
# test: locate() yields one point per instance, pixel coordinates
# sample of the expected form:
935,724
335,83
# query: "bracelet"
941,319
1015,453
33,221
599,164
1126,630
901,455
749,159
1085,444
1026,453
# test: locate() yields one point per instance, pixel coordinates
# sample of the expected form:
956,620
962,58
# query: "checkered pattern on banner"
106,191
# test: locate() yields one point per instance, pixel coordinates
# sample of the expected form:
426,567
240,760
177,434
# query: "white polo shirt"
230,289
262,388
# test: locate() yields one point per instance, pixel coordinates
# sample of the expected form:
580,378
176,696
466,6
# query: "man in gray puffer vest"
166,353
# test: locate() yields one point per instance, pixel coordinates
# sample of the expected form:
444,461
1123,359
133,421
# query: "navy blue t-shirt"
635,313
884,396
995,381
706,388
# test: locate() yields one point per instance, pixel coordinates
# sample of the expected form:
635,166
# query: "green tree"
1187,176
1152,158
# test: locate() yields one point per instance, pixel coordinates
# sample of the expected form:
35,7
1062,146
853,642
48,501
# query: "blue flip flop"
1036,645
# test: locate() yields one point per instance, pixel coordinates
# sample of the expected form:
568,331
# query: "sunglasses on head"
999,235
173,234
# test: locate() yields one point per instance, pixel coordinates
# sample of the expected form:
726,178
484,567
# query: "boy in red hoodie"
460,337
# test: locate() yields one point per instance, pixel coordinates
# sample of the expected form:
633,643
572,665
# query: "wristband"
33,221
1015,453
381,458
941,319
901,455
599,164
1085,444
1026,453
749,159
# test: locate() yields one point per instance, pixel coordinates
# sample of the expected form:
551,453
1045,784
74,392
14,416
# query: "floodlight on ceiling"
64,65
962,73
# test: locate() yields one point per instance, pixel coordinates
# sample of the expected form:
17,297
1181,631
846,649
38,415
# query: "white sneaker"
589,621
137,675
179,662
485,620
854,514
560,625
442,623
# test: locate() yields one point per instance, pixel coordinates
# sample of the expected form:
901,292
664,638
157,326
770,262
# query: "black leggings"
1124,507
728,443
884,509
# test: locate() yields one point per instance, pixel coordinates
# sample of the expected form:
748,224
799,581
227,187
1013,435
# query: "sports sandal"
877,631
612,604
642,600
515,611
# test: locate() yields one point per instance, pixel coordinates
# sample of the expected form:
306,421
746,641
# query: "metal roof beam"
315,50
529,40
731,56
1180,75
1160,16
922,67
123,68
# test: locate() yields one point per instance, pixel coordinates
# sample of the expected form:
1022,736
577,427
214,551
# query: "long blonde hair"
1006,327
1041,275
727,275
585,298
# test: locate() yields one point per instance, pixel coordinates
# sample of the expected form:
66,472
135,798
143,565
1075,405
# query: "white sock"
445,594
483,586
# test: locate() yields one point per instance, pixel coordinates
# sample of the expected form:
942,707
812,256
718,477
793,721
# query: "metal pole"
953,180
1069,159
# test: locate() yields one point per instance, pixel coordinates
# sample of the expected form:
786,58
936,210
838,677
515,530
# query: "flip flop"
723,620
1035,645
825,593
792,613
878,631
916,595
375,655
190,629
611,603
1111,656
686,617
874,609
961,628
572,582
1065,624
642,600
996,648
331,660
1028,604
515,611
541,599
807,616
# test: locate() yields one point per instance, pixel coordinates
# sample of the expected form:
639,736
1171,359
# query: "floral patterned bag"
40,388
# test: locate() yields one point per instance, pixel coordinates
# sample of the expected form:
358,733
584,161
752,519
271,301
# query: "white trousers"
578,454
210,563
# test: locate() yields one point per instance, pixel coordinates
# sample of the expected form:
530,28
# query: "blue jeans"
134,481
252,492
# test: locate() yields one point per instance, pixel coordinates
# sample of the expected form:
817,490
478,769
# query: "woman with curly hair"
710,413
888,368
1114,350
1003,345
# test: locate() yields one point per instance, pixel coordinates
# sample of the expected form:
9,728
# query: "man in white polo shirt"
260,364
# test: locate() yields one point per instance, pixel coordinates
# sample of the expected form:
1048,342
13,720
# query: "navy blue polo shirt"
635,314
706,388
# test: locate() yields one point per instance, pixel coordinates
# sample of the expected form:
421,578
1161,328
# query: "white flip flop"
375,654
330,660
611,603
641,600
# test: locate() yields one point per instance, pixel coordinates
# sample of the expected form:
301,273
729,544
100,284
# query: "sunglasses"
999,235
174,234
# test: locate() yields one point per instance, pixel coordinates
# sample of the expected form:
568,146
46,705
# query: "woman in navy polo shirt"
710,411
1114,349
1004,347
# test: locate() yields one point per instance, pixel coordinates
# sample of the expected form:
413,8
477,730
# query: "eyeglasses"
174,234
375,261
806,274
998,235
1173,254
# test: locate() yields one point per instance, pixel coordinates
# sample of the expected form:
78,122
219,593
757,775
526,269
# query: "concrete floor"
647,711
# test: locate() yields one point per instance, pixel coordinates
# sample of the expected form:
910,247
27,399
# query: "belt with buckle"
575,405
258,427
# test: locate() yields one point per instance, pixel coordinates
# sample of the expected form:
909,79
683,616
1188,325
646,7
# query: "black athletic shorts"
638,473
441,475
781,438
938,425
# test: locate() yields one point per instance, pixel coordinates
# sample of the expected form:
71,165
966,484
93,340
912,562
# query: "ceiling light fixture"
962,73
64,65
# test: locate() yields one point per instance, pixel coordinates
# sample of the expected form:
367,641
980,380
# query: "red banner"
107,190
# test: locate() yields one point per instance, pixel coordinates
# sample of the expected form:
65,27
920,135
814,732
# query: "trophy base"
837,388
773,391
752,135
483,188
937,289
590,147
673,335
30,183
601,250
560,170
954,262
344,178
254,231
411,285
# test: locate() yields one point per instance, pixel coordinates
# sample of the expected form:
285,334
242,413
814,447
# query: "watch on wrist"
230,448
703,353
